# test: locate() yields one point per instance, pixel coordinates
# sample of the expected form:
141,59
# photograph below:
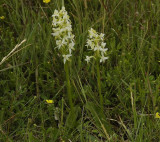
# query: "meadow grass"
34,72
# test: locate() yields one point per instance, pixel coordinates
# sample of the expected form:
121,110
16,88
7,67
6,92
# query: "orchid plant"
62,31
96,44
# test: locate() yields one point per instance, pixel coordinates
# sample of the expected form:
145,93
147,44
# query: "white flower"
56,13
101,36
97,48
55,34
88,58
90,43
63,9
92,33
66,58
65,16
60,43
103,58
103,50
71,47
103,44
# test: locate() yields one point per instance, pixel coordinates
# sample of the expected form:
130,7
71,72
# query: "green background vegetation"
130,79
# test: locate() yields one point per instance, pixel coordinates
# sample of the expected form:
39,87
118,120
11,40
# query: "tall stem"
62,3
66,67
99,85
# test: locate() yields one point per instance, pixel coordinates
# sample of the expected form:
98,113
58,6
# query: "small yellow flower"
49,101
157,115
2,17
46,1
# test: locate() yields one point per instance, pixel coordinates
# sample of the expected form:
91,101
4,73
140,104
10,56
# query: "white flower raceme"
95,42
62,31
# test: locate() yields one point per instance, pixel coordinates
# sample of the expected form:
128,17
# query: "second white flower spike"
95,42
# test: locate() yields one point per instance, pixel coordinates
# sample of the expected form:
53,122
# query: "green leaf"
72,117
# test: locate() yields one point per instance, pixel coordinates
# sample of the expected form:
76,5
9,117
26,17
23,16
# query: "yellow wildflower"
2,17
46,1
49,101
157,115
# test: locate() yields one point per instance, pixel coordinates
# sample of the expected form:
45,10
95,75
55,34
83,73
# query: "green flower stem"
66,67
99,83
62,2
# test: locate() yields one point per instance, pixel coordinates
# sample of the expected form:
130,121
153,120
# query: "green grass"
130,80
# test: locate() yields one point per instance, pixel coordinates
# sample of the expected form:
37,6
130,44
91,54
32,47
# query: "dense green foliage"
130,80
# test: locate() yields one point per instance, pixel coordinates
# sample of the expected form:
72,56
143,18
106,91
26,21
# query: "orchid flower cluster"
62,31
96,43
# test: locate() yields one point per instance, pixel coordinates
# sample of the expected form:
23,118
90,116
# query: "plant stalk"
66,66
99,85
62,3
